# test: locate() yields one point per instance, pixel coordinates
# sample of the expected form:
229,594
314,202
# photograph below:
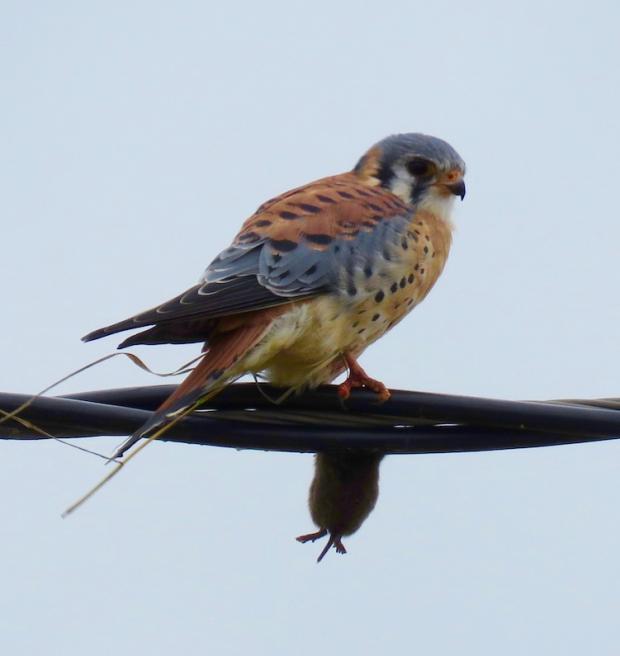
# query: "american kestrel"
314,276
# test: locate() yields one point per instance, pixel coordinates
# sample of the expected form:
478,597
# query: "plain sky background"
134,139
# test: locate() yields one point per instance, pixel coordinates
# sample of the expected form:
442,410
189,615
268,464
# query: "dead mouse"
343,493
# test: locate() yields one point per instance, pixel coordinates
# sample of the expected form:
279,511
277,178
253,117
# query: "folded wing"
294,247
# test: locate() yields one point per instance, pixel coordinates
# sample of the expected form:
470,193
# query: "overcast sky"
135,138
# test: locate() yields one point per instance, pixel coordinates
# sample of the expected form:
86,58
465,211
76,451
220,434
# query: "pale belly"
304,347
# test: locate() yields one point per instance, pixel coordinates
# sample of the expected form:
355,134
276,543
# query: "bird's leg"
339,546
311,537
359,378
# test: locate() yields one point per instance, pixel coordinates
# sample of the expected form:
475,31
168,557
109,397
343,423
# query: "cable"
410,422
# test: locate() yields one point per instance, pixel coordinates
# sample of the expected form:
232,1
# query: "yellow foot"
358,378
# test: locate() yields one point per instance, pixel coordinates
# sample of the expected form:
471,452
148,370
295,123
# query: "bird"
343,493
313,277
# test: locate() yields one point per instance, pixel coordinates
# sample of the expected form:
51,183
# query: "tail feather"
209,377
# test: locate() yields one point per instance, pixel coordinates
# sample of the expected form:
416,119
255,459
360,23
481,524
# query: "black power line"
243,417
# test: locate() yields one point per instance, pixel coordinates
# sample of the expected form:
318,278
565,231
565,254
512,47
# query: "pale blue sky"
136,137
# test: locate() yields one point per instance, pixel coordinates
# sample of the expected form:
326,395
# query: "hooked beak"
457,188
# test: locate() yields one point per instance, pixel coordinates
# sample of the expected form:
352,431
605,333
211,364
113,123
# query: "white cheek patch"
401,188
437,203
432,200
402,183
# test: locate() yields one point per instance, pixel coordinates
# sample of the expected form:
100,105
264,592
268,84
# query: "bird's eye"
419,167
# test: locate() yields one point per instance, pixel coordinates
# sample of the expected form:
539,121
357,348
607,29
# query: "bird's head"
417,168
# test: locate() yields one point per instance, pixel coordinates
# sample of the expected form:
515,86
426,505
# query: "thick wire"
241,417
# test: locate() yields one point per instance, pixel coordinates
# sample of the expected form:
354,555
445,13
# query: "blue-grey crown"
422,145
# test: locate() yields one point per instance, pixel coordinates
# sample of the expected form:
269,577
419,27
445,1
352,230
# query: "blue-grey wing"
297,246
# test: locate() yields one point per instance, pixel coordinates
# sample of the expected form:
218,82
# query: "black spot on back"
319,238
284,245
289,216
248,237
379,296
306,207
